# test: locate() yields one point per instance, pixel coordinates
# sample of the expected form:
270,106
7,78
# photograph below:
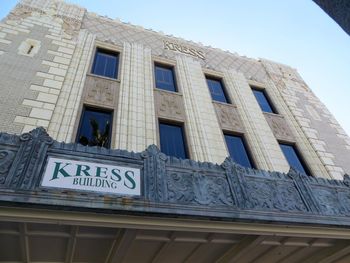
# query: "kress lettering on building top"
183,49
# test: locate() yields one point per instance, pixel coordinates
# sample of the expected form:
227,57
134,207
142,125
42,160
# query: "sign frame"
117,178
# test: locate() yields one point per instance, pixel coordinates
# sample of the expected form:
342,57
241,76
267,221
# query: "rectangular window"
106,64
217,90
293,158
172,140
95,128
165,78
237,149
263,101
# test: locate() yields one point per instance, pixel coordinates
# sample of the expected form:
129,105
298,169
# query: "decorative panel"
101,91
169,105
228,117
279,127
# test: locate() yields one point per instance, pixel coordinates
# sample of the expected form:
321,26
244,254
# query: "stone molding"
135,124
173,187
265,150
100,91
295,100
279,127
205,138
169,105
228,117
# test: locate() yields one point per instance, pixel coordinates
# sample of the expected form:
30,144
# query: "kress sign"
78,175
184,49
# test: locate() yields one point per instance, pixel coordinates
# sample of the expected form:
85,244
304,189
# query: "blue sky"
294,32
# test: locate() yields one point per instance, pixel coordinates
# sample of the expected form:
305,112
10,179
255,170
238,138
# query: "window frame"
267,97
184,135
223,88
166,66
108,51
245,145
299,156
98,109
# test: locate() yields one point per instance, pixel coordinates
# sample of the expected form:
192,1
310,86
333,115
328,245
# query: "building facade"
93,81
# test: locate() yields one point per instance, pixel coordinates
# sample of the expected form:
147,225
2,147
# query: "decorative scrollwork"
169,105
328,201
6,159
271,194
198,188
228,117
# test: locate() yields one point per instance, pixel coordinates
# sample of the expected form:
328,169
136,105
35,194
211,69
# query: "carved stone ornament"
71,26
169,105
328,201
30,156
197,188
100,91
272,194
172,186
20,12
347,180
154,166
228,117
6,160
279,127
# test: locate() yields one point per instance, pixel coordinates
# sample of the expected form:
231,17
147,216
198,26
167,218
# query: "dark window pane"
95,128
263,101
172,141
105,64
293,158
237,150
216,90
165,78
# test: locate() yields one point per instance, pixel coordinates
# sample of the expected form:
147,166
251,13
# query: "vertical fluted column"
205,136
263,145
135,126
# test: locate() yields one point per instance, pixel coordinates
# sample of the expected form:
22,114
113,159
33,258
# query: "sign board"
89,176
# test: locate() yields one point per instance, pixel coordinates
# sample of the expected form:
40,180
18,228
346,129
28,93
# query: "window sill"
272,114
224,103
102,77
168,91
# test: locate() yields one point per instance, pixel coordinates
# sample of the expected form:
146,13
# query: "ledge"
171,187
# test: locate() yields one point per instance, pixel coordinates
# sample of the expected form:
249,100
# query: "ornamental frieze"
36,170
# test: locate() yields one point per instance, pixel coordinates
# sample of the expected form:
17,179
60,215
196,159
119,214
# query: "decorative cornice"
172,186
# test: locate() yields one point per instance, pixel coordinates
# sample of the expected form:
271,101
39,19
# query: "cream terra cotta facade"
49,86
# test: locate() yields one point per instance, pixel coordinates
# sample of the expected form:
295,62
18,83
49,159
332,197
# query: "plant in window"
98,138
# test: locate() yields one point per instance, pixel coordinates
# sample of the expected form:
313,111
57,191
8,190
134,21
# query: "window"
237,149
293,158
263,101
106,64
172,140
217,90
165,77
95,128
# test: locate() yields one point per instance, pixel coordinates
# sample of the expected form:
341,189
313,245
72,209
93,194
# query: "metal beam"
24,243
198,249
238,250
330,254
300,250
159,256
173,224
121,245
71,244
